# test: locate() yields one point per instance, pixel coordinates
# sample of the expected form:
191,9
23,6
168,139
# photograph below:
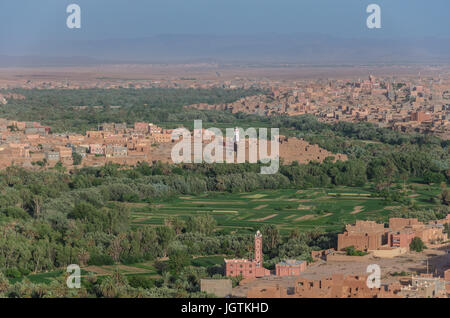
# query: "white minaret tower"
236,135
236,139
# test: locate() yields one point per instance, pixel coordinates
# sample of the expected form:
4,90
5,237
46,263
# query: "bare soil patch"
215,202
265,218
392,207
305,217
97,270
357,209
259,207
144,218
224,211
255,196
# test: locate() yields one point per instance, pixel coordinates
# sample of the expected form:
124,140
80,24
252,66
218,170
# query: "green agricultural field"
324,209
207,261
44,278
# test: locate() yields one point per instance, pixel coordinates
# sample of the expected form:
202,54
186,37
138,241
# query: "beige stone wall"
336,257
389,253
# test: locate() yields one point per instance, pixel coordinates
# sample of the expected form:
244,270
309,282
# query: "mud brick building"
403,238
404,230
371,236
425,286
290,268
342,286
447,281
97,149
336,286
364,236
25,143
420,116
52,155
141,127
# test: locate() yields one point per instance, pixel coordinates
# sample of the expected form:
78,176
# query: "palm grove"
52,218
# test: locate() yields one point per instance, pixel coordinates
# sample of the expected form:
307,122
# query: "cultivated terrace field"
288,209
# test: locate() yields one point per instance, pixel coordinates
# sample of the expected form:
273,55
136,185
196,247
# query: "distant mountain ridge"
301,48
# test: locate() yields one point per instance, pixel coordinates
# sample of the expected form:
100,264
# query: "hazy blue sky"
37,27
31,20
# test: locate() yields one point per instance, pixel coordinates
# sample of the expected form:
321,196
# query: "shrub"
100,259
13,273
141,282
417,245
15,212
128,260
351,251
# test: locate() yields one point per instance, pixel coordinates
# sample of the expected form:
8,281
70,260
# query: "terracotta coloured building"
370,236
141,127
336,286
420,116
342,286
290,268
447,280
245,267
404,230
253,268
364,236
402,238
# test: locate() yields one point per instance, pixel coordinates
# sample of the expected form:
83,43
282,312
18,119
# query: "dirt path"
97,270
266,218
357,209
259,207
305,217
131,269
